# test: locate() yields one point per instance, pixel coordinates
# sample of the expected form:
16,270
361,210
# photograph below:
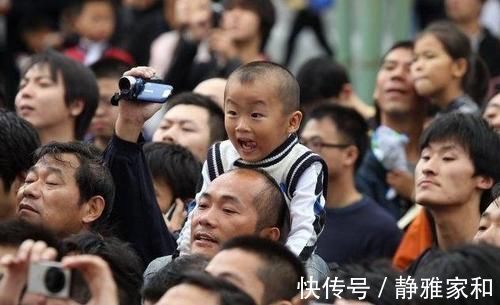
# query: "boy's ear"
294,121
76,107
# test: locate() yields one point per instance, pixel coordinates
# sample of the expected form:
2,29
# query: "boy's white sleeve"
184,240
307,211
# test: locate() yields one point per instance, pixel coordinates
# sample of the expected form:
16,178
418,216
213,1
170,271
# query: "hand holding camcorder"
143,90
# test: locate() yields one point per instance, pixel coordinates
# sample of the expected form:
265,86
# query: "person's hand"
222,44
98,276
131,114
402,181
16,268
178,216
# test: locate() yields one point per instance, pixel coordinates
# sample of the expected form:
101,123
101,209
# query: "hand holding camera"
138,105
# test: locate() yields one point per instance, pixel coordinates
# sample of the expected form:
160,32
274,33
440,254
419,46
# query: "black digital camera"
138,89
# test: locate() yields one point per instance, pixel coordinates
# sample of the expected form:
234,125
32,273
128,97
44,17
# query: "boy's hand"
131,114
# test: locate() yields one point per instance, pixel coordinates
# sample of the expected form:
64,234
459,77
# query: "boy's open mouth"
247,145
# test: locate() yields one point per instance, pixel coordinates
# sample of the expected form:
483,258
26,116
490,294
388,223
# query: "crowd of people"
251,184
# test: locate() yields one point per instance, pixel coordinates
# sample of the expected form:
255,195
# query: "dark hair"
167,276
124,263
13,232
215,114
495,191
457,46
402,44
79,84
286,86
350,124
270,204
320,78
228,293
264,9
476,137
466,262
174,165
18,141
92,176
109,68
380,276
281,270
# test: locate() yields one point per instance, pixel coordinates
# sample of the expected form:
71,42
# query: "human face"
40,99
444,175
241,269
225,210
187,294
463,10
50,195
241,24
489,225
395,93
103,122
324,131
186,125
254,118
164,195
492,113
433,70
96,21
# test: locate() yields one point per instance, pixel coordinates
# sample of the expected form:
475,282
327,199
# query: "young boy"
261,118
95,24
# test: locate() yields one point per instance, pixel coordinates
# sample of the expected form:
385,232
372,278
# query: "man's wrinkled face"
50,195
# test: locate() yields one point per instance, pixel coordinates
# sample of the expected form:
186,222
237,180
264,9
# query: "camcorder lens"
126,83
54,280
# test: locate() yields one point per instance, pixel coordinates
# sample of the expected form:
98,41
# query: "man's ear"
76,107
294,121
484,183
272,233
351,154
93,209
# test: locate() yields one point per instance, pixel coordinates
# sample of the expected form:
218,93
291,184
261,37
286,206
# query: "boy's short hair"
108,67
476,137
262,8
215,114
176,166
79,84
350,124
287,87
281,270
19,140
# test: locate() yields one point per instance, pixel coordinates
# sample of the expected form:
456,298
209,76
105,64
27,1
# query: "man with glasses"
358,228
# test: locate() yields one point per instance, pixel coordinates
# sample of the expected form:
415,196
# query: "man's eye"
257,115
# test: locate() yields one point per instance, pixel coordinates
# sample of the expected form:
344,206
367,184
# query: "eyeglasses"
316,144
